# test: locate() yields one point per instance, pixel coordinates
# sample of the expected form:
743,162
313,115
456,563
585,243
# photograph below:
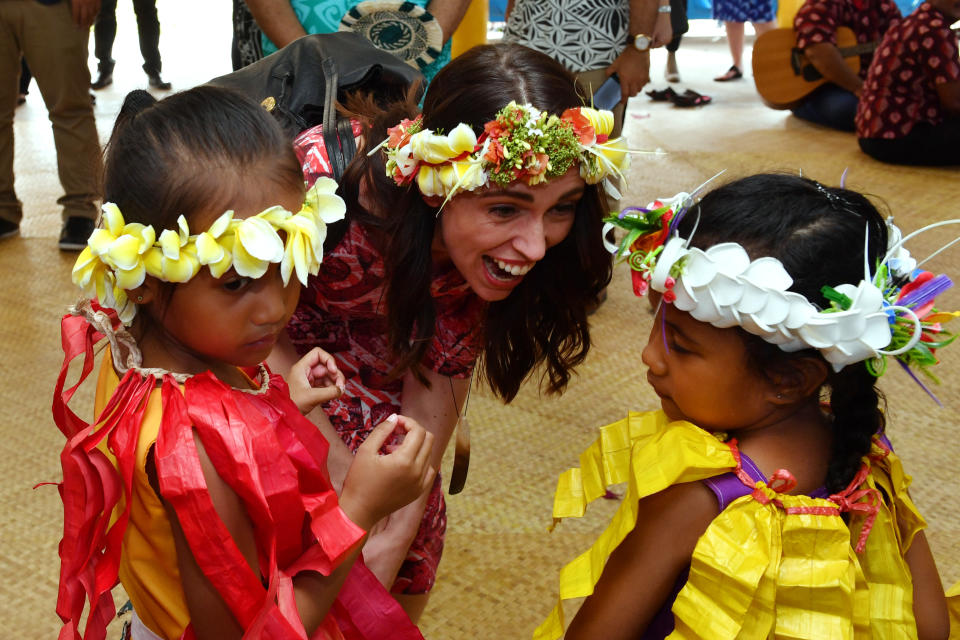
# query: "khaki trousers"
56,52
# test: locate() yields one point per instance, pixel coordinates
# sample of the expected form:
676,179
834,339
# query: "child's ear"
146,292
798,378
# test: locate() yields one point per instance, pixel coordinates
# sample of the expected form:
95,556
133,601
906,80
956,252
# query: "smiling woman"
472,236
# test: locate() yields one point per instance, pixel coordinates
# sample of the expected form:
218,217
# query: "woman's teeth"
514,269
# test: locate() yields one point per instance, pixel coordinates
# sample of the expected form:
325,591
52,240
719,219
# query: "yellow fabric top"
148,559
797,573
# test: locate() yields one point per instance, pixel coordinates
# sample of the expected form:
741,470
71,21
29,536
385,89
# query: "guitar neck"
860,49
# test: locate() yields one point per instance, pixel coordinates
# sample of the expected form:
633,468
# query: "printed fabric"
323,16
801,571
342,311
259,444
914,57
311,150
582,35
743,10
817,21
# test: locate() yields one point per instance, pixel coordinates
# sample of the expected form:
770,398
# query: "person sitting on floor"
834,104
909,112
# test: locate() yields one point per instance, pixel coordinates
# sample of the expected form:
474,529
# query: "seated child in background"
200,484
753,509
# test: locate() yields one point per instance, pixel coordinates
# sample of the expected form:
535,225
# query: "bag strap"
331,81
348,146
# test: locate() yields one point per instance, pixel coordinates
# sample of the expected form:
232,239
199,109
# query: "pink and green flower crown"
522,144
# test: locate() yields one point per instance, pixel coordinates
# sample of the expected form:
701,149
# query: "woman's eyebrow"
526,195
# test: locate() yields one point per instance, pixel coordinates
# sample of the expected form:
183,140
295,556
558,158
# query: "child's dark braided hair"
817,233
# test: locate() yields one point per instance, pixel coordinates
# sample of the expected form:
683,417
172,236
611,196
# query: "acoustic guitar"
784,75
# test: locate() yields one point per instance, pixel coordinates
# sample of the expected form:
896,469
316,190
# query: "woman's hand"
662,31
378,484
314,380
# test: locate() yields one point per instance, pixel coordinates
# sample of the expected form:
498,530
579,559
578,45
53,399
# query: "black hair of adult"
192,151
544,320
817,232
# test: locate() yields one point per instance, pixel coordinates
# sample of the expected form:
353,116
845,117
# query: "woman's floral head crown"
890,313
521,144
119,256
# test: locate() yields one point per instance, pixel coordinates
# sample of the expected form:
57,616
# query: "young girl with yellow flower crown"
199,485
472,237
764,499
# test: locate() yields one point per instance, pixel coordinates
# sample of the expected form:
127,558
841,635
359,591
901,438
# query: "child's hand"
314,379
378,484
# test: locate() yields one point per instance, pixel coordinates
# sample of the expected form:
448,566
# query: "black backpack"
300,83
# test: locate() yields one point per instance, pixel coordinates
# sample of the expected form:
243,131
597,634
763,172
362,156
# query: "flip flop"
733,73
662,95
691,98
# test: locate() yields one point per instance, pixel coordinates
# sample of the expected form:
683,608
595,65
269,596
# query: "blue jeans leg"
830,106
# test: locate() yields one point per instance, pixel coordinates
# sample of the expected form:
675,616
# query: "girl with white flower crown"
764,498
199,485
472,236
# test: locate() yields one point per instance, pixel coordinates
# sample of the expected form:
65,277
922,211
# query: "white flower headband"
722,286
119,256
521,143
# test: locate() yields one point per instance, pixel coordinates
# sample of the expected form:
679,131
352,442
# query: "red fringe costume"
272,457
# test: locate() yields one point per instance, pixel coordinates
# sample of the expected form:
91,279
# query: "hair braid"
857,417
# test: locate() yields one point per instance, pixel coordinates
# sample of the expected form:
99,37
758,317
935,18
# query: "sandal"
733,73
663,95
691,98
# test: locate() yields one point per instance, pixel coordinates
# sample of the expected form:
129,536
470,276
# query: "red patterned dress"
900,90
817,21
900,118
342,311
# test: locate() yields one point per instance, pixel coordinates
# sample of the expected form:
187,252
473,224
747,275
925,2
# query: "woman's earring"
779,396
140,299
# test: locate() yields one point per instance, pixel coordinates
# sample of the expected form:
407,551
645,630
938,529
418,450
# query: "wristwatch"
641,41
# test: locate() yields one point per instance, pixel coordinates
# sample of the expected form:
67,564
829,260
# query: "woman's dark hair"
544,320
817,232
191,151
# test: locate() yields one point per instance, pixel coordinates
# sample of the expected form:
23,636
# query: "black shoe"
733,73
8,228
157,82
104,79
76,231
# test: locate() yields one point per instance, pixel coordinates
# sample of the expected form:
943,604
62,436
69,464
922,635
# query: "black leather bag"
300,83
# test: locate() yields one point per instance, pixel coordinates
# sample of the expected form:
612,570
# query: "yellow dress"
148,559
771,564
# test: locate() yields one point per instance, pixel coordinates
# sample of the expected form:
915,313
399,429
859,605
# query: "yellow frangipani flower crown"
119,256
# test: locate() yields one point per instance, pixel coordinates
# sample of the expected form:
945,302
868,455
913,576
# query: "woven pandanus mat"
499,572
